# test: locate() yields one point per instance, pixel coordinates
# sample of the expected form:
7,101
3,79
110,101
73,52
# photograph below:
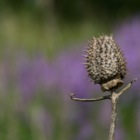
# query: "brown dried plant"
106,65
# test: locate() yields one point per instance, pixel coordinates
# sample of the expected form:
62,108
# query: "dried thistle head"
105,63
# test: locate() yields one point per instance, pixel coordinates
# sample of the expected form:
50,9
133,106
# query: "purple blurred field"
35,93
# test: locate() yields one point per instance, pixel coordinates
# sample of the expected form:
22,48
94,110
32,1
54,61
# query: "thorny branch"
114,98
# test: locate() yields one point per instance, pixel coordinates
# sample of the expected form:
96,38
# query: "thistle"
105,63
106,66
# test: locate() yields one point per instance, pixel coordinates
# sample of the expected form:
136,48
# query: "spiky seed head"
105,62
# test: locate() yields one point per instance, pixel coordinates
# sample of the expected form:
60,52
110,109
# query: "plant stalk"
114,99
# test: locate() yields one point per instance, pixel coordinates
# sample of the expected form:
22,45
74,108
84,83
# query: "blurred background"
41,63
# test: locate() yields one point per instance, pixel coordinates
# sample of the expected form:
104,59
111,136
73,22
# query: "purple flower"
86,131
27,76
127,36
72,73
34,74
72,77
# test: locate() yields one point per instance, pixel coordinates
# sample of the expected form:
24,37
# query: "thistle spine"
105,62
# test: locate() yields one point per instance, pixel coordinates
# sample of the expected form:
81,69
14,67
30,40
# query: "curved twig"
90,99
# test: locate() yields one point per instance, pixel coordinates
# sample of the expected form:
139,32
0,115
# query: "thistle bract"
105,63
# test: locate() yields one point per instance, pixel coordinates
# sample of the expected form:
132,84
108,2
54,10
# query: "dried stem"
114,98
91,99
113,115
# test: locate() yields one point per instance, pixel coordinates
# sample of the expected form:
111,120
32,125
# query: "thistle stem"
113,116
90,99
114,98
